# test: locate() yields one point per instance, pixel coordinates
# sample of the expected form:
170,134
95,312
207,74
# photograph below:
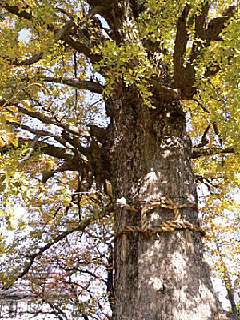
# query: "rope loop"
166,226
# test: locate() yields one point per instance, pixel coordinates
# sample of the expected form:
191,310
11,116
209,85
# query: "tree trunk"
157,275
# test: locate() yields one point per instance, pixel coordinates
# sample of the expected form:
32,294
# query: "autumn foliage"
59,64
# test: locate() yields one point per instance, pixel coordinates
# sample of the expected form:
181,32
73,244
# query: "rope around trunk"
166,226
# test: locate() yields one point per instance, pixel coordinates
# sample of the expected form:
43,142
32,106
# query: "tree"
160,60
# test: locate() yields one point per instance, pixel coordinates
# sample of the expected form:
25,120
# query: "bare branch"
56,310
37,132
88,160
71,129
81,227
66,166
56,152
45,119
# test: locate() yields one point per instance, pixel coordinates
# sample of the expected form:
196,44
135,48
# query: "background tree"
152,63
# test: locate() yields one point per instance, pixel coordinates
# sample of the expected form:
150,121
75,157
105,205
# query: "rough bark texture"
156,277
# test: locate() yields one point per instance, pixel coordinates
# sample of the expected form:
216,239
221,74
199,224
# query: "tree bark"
157,275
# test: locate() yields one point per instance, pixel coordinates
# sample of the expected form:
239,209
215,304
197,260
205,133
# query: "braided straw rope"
166,226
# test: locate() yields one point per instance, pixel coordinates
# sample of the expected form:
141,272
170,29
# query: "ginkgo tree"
120,164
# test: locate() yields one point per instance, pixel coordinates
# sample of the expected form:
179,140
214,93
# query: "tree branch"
164,92
180,48
44,119
51,150
81,227
94,87
201,105
62,34
184,77
15,10
90,161
216,25
208,33
29,61
66,166
99,133
104,8
197,153
39,133
204,140
201,20
32,146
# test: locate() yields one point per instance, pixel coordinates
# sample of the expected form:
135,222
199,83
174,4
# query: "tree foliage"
53,161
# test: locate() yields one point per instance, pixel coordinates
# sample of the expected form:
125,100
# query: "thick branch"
26,62
208,33
45,119
94,87
82,46
40,133
200,21
56,152
99,133
15,10
197,153
89,160
184,77
180,48
72,165
204,140
69,129
164,92
216,25
104,8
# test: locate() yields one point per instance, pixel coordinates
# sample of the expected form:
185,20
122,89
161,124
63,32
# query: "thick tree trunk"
162,275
